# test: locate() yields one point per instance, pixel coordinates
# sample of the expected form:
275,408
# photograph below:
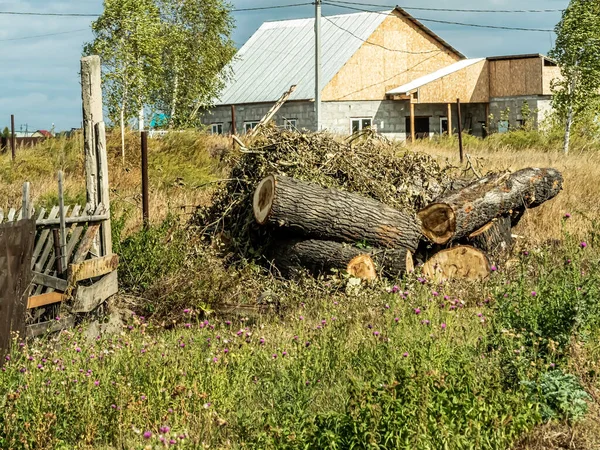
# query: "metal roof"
407,88
281,54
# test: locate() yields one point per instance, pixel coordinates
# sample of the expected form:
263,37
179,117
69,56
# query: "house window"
216,128
290,124
250,126
503,126
360,123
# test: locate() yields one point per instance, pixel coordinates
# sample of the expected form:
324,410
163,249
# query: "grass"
510,363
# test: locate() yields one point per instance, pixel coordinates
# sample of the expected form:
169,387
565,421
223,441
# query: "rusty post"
460,142
12,136
233,130
145,213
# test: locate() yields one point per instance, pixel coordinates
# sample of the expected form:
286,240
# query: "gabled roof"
407,88
281,54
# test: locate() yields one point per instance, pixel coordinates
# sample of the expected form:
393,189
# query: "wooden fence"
16,246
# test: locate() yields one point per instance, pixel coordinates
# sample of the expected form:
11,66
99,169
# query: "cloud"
40,81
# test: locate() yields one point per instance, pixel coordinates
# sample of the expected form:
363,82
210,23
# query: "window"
443,125
502,126
290,124
216,128
250,126
360,123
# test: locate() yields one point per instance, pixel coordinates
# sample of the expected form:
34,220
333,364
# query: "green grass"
430,366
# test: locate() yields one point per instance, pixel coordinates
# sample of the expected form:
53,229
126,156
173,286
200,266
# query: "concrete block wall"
540,106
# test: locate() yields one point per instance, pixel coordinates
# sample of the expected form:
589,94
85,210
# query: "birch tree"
126,37
577,52
196,48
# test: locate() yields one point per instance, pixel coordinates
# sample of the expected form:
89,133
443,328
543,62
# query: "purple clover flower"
147,434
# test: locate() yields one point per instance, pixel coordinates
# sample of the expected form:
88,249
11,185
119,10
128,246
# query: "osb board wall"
373,70
470,84
512,77
550,73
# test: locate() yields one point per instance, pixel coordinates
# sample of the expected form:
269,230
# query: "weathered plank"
88,298
52,326
86,243
70,220
11,214
43,235
104,191
92,268
47,280
45,299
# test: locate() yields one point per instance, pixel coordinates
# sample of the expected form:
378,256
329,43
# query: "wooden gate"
16,245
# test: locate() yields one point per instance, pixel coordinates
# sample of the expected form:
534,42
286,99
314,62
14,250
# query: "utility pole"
318,63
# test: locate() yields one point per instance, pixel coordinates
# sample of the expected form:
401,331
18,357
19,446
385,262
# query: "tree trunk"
141,119
330,214
323,257
462,262
463,212
174,99
568,130
495,238
123,134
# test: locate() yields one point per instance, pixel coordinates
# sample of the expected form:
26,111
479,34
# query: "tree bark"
463,212
330,214
462,262
323,257
495,238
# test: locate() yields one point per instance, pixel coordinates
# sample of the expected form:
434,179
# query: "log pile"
313,202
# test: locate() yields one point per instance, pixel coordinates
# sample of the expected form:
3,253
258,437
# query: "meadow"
229,356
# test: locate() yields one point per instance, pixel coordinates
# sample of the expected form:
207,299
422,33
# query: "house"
384,70
42,134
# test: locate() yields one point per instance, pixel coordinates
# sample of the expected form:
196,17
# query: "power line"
373,43
542,30
44,35
419,8
259,8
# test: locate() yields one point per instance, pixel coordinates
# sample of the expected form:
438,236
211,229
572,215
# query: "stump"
460,213
329,214
462,262
494,238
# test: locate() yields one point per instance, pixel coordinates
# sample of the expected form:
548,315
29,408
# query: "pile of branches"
365,164
313,202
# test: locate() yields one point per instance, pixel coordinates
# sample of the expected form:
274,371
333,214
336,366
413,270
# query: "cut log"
462,262
322,257
465,211
494,238
330,214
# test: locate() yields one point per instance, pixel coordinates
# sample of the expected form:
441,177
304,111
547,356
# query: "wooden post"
460,142
487,119
57,251
26,206
103,189
233,128
91,95
12,137
145,213
412,121
63,227
450,119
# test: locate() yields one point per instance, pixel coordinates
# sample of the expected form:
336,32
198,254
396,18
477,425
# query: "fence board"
16,245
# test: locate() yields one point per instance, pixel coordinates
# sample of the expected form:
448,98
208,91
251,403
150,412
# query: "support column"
412,121
233,130
487,119
450,119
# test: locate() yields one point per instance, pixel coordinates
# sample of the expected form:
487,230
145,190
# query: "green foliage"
560,396
577,52
149,254
5,132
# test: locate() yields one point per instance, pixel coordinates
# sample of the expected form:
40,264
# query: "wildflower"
57,318
172,441
567,216
113,406
301,318
96,383
225,350
479,315
394,290
336,303
274,355
397,319
443,326
583,245
7,357
284,353
143,397
405,354
417,311
182,345
215,359
533,293
39,366
435,293
307,344
188,325
375,333
493,268
164,430
387,306
525,253
323,322
425,322
261,341
78,350
147,435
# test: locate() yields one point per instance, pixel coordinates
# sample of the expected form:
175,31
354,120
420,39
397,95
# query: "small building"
41,134
383,70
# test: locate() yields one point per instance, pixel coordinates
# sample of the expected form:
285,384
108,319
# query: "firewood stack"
456,236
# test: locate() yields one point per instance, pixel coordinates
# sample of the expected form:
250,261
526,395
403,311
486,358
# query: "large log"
330,214
323,257
465,211
462,262
494,238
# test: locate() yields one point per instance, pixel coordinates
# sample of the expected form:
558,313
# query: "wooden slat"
86,243
70,220
37,329
88,298
11,214
74,232
92,268
45,299
50,281
41,240
104,190
1,215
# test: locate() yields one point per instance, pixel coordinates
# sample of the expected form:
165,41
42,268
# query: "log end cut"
263,199
463,262
438,222
362,267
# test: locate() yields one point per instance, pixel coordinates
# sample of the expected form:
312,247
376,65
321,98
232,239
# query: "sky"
40,74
